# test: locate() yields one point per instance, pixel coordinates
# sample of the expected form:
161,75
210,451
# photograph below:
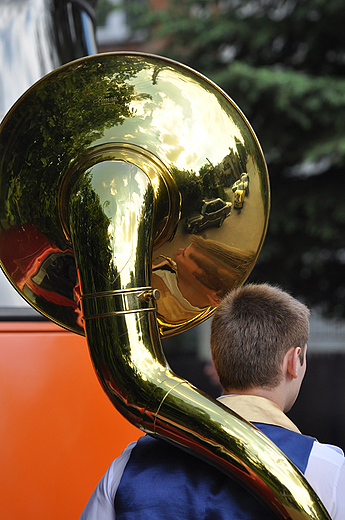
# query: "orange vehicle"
59,431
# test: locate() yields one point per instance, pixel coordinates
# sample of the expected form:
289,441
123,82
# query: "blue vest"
163,482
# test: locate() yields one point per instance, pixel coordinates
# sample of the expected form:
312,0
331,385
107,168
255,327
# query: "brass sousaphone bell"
134,195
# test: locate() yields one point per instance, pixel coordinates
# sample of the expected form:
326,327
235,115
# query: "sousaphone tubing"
133,196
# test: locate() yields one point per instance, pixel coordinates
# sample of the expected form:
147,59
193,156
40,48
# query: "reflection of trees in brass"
57,121
224,174
191,188
108,337
98,273
148,220
235,163
141,277
91,240
211,180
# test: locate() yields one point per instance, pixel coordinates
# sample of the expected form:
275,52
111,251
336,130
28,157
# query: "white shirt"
101,503
325,470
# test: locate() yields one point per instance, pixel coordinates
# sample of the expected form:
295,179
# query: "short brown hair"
252,329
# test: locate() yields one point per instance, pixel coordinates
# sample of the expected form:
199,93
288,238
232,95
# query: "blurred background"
283,63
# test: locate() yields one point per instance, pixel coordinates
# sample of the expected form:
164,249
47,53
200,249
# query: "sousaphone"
133,195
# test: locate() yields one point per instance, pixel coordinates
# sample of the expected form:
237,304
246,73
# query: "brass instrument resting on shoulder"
134,195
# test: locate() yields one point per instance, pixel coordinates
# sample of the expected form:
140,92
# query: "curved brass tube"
123,338
116,185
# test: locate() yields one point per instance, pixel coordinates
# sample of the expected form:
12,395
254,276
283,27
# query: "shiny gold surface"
108,169
131,113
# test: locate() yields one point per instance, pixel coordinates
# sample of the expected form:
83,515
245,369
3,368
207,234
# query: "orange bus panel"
59,431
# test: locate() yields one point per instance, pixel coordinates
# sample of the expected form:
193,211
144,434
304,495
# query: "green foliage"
104,7
283,62
191,188
207,184
34,154
91,240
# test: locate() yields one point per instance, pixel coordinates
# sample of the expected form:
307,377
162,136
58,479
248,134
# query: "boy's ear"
293,361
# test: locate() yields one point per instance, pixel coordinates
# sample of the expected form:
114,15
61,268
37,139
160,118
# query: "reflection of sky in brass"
140,356
120,186
187,142
179,120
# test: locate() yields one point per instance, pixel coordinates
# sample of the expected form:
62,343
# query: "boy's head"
252,329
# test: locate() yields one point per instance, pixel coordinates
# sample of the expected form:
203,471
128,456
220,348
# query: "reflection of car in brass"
239,199
240,189
212,213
